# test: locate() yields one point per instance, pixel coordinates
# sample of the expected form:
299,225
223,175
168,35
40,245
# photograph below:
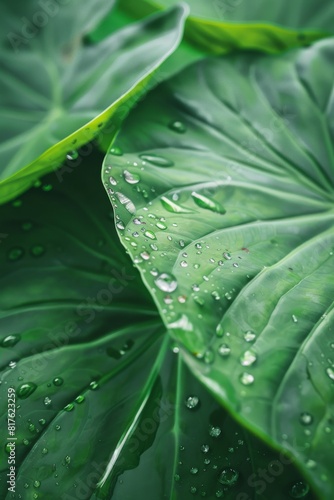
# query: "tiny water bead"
150,235
79,399
47,401
228,476
37,250
215,431
305,418
158,161
205,448
10,340
246,378
177,126
15,253
207,203
227,256
166,282
58,381
249,336
36,484
47,187
112,181
161,225
248,358
72,155
330,373
120,225
25,390
224,350
294,318
131,178
194,470
192,402
299,490
116,151
69,407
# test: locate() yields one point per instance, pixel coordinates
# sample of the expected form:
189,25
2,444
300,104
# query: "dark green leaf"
58,93
228,169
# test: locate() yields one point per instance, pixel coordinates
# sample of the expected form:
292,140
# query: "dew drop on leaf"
58,381
224,350
306,418
299,490
37,250
249,336
166,282
47,401
25,390
294,318
246,378
47,187
72,155
178,126
194,470
215,431
205,448
330,373
112,181
15,253
207,203
10,340
120,225
228,476
116,151
36,484
150,234
248,358
156,160
227,256
93,385
192,402
131,178
69,407
145,255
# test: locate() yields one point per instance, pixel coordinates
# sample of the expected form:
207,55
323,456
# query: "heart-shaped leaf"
224,199
58,93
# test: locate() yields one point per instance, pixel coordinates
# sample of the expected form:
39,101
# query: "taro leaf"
95,374
223,25
228,172
57,93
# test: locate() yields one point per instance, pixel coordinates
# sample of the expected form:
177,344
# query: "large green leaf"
220,26
224,197
58,93
103,395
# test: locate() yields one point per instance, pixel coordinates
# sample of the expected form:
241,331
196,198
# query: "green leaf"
103,396
221,26
58,93
228,173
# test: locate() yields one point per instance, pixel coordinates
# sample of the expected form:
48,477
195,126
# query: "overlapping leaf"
223,189
57,93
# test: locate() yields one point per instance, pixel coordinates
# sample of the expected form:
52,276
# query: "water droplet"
150,234
166,282
219,330
37,484
173,207
227,256
306,418
161,226
246,378
58,381
126,202
47,401
138,221
215,431
25,442
228,296
178,127
112,181
219,493
205,448
44,451
15,253
10,340
207,203
235,264
47,187
31,428
120,225
57,427
249,336
294,318
67,459
37,250
79,399
193,470
184,263
248,358
69,407
176,477
299,490
224,350
72,155
145,255
93,385
215,295
330,373
228,476
209,357
42,421
116,151
192,402
25,390
131,178
158,161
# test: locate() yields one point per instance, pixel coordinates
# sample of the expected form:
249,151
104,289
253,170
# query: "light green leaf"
224,199
220,26
58,93
102,395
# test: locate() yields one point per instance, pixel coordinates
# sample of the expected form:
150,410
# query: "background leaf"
58,93
228,173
